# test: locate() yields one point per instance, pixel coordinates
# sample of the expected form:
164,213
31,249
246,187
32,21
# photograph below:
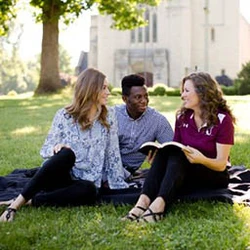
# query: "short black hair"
130,81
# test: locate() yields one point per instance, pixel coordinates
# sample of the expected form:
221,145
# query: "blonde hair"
87,89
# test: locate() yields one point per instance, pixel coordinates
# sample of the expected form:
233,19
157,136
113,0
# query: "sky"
75,37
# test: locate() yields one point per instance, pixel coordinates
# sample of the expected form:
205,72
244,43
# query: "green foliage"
110,87
161,89
12,93
15,74
229,90
116,91
173,91
126,14
244,88
158,89
199,225
64,61
243,80
7,12
151,91
55,9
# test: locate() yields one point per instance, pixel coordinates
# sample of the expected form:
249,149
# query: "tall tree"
126,14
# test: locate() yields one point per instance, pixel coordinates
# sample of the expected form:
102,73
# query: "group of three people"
91,146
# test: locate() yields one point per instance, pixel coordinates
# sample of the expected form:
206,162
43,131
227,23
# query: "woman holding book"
204,125
81,151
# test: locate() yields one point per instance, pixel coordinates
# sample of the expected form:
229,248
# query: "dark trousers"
172,174
52,185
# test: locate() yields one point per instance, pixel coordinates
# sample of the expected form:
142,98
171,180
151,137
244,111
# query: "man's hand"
151,155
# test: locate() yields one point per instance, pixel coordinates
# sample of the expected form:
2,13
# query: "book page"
147,146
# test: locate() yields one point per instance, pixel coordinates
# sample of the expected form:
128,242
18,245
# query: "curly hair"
210,97
87,89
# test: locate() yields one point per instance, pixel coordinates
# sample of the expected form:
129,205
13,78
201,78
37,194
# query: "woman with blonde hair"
204,124
81,151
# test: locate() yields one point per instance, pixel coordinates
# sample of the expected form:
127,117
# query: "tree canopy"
126,14
7,10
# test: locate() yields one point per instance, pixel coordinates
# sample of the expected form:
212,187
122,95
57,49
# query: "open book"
147,146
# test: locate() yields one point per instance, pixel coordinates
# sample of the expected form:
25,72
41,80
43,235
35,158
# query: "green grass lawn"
202,225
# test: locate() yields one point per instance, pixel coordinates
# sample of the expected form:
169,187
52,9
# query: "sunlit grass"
25,131
201,225
18,96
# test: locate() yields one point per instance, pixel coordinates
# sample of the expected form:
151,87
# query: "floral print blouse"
96,148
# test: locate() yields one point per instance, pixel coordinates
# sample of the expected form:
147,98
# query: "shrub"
116,91
12,93
244,88
159,89
173,91
243,80
150,91
110,87
230,90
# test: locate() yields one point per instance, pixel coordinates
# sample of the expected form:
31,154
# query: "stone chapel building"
182,36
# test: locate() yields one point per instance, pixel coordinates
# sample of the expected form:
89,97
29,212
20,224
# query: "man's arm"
164,130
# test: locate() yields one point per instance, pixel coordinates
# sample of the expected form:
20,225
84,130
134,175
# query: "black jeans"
172,174
52,185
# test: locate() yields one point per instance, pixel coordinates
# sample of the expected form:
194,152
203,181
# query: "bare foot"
6,203
29,202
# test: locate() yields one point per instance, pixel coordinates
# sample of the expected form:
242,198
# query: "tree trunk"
49,75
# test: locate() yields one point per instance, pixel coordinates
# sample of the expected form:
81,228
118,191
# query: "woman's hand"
58,147
218,163
193,155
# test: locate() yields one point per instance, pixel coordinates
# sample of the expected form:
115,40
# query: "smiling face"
189,96
136,101
104,93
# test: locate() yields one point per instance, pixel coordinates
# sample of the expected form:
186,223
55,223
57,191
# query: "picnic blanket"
238,190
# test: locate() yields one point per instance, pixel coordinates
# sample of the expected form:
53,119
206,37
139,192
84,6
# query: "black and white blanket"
238,190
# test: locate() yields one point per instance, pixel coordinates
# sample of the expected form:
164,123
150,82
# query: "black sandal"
156,216
132,216
10,211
